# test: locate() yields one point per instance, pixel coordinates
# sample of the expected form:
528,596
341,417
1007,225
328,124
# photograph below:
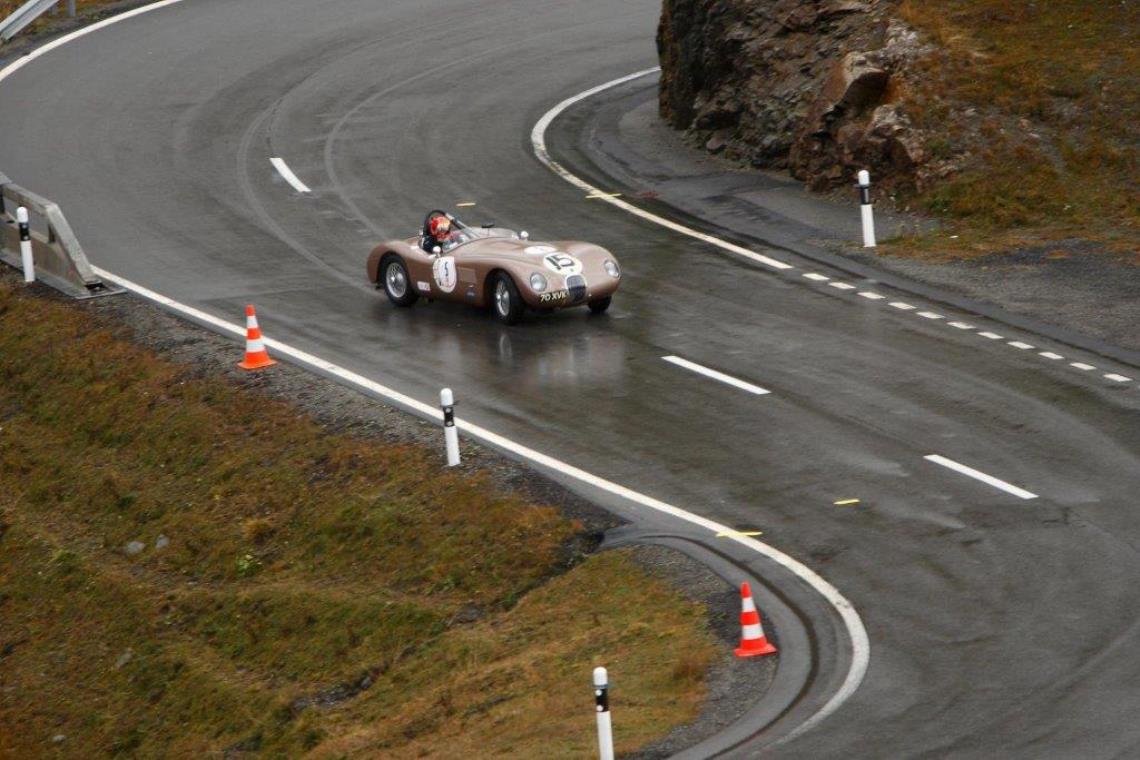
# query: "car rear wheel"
506,300
600,305
397,284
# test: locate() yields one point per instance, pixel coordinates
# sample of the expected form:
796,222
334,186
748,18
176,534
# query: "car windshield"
461,234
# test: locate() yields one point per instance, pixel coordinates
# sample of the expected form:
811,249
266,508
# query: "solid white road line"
720,376
860,644
856,631
288,175
977,475
538,142
20,63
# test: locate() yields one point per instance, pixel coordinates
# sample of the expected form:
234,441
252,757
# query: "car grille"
576,284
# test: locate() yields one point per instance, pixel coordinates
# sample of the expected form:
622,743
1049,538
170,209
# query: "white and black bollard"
602,708
26,244
450,434
865,205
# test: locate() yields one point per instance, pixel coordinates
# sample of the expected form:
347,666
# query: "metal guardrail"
26,14
59,259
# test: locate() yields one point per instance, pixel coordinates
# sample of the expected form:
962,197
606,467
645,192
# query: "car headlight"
612,268
537,282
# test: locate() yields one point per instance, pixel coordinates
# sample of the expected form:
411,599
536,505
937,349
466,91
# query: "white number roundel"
563,263
443,269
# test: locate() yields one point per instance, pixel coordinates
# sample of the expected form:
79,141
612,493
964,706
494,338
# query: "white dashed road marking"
871,295
719,376
288,175
978,475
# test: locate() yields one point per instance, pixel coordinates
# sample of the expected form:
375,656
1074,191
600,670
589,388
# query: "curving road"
999,625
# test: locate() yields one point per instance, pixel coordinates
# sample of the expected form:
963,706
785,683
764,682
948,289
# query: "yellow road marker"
465,204
846,502
603,195
727,533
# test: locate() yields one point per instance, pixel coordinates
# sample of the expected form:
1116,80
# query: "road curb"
587,159
797,688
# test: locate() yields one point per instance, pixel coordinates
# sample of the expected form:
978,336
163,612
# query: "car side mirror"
436,250
524,235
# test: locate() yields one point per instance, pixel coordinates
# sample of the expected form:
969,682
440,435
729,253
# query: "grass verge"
8,7
1040,103
293,591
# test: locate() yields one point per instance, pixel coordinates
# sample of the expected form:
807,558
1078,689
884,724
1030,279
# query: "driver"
441,234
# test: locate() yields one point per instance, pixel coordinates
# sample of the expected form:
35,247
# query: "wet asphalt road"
998,626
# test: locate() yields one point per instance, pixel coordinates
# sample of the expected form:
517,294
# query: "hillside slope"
190,568
1016,122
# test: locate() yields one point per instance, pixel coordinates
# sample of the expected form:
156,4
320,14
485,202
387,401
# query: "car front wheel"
600,305
397,284
506,300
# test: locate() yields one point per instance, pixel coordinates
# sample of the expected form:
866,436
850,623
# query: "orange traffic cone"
752,639
256,356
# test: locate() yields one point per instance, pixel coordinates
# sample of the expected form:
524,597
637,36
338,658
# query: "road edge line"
538,141
1069,336
47,47
856,631
860,643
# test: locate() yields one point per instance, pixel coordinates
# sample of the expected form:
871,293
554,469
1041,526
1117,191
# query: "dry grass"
475,699
298,561
1051,147
7,7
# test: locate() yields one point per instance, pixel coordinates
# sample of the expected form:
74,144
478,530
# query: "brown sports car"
494,267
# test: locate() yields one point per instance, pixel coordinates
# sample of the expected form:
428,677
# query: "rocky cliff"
811,86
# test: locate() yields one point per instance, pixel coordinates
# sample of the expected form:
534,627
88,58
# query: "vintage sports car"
494,267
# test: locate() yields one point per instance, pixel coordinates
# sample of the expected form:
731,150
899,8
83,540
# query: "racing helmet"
440,225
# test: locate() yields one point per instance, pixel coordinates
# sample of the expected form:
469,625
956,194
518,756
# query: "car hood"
531,251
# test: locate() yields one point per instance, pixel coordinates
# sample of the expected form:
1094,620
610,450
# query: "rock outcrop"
809,86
